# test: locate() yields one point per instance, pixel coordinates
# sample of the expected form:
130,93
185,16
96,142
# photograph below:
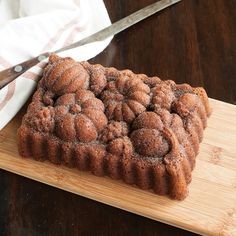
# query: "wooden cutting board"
209,209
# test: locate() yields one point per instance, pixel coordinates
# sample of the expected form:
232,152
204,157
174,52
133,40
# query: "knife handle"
10,74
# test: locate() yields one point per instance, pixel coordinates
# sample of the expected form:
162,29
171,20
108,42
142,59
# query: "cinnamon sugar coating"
125,98
140,129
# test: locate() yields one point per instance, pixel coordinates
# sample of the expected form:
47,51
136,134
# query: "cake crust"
128,126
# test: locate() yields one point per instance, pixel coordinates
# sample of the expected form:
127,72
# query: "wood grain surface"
194,42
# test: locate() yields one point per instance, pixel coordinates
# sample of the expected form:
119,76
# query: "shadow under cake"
128,126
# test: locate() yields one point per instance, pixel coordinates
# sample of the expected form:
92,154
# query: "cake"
128,126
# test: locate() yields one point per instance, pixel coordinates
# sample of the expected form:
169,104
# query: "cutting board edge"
188,227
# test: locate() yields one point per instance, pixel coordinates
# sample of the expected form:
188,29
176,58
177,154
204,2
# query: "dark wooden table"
194,42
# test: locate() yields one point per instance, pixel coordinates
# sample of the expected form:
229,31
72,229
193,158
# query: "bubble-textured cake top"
84,103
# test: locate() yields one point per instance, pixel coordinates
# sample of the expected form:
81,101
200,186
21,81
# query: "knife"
8,75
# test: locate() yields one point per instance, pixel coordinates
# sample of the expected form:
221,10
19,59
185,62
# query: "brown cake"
128,126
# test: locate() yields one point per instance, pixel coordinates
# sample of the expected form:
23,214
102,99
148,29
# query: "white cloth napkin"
29,28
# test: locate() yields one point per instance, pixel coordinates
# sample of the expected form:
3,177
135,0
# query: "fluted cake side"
128,126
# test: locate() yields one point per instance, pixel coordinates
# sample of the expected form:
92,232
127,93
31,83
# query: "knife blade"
122,24
8,75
